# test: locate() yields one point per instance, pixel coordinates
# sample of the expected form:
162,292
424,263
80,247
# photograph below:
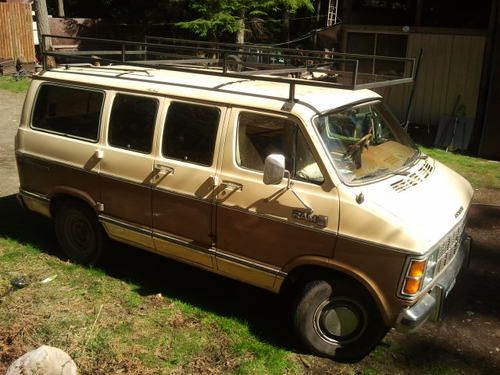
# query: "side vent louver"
414,178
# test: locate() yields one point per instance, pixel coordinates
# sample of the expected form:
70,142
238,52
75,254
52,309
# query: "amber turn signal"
414,277
417,268
412,286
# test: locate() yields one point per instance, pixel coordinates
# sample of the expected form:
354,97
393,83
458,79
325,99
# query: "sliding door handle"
232,185
164,169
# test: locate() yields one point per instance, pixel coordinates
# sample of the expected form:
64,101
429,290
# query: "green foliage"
217,17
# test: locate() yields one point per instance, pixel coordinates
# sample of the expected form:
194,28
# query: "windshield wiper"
376,173
380,172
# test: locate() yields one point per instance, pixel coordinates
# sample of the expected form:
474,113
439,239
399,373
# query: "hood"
410,212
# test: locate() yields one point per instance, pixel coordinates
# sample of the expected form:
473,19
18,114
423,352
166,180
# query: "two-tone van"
325,199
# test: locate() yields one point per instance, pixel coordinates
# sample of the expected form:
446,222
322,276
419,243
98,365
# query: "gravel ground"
10,110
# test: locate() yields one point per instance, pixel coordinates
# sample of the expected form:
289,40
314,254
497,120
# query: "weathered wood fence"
16,32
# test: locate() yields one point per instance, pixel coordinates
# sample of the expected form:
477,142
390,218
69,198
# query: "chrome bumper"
431,305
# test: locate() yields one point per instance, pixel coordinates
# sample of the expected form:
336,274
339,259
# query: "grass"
111,324
10,84
481,173
107,325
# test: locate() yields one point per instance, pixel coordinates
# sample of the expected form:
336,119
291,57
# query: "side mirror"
274,169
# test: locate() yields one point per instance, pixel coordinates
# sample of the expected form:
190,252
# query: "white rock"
45,360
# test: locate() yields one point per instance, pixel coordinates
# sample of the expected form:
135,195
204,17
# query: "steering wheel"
362,142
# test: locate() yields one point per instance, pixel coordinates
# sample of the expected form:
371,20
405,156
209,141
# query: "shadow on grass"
263,311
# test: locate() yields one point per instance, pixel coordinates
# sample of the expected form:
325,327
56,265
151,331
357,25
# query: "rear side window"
190,133
68,111
132,122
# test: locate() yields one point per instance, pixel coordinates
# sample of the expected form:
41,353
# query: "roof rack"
242,61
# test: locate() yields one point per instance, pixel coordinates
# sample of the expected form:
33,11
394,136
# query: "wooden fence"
16,32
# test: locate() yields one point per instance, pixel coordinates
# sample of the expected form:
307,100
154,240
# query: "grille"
414,178
449,247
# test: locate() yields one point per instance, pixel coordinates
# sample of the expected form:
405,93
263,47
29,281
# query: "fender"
360,276
70,191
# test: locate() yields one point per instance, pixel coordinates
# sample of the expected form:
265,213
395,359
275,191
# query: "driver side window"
261,135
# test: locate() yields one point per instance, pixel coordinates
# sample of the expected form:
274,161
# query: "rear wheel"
338,320
79,233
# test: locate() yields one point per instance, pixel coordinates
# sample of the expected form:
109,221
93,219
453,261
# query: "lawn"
110,325
10,84
481,173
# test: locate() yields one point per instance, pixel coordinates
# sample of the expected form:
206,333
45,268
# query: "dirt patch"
487,196
13,344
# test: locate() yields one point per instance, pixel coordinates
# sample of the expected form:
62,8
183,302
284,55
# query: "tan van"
288,184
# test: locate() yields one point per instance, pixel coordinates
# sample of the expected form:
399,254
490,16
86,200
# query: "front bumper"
431,305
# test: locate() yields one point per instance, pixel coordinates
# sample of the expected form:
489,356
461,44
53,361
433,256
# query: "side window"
190,133
68,111
132,122
262,135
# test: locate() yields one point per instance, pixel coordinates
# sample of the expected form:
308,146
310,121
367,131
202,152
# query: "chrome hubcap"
340,320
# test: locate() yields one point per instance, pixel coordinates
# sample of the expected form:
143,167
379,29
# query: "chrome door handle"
98,154
164,169
232,185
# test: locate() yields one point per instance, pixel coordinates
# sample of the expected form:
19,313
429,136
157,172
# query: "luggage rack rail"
243,61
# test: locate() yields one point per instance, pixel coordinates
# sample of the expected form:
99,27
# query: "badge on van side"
319,220
457,214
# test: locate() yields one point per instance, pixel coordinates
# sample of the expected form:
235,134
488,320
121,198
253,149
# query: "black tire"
338,320
79,233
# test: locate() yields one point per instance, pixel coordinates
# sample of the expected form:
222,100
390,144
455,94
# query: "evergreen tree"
218,17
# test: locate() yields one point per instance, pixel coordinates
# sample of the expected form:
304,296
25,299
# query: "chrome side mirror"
274,169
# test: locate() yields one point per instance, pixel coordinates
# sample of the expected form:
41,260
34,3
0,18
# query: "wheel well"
59,200
303,274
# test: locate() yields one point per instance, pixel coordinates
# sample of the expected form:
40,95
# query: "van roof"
237,91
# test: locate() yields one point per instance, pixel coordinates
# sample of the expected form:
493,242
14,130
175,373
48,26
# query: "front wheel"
79,233
338,320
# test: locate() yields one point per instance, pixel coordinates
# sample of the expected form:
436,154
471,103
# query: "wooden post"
42,19
60,8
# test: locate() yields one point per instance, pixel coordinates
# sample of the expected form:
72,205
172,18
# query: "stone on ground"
45,360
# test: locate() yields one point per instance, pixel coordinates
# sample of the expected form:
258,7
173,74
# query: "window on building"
379,44
68,111
190,133
132,122
261,135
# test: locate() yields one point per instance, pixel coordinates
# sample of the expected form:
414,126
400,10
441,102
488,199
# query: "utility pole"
60,8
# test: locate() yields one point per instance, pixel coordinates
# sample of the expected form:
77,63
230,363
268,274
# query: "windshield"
365,142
